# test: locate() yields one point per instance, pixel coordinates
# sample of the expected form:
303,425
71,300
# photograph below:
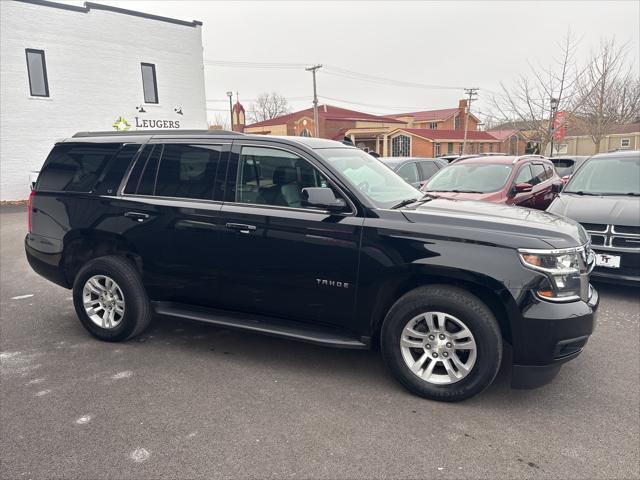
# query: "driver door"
280,258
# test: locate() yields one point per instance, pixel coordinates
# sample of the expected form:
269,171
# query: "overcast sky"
451,44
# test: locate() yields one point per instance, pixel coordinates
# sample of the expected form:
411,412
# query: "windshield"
369,175
607,175
470,177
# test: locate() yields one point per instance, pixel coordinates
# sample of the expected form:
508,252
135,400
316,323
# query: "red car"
527,180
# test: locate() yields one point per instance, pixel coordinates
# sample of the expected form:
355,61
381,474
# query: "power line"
344,73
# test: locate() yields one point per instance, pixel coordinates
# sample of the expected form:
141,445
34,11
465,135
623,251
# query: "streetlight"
552,121
230,95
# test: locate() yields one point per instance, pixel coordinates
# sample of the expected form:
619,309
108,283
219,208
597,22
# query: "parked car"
565,166
527,181
487,154
448,158
604,196
312,240
414,170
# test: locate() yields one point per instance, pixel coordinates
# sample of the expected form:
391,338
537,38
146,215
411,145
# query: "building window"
401,146
480,147
456,122
450,147
433,125
305,132
491,147
149,83
37,72
436,150
625,143
460,149
561,148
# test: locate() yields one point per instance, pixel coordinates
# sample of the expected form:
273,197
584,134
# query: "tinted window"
539,174
147,183
111,176
188,171
37,70
428,170
274,177
409,172
149,84
524,175
136,171
75,168
470,177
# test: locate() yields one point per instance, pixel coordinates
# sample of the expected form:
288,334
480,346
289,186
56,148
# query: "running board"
261,324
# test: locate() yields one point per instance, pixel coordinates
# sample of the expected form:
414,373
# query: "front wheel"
442,343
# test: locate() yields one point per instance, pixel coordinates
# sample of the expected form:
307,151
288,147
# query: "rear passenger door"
279,257
172,206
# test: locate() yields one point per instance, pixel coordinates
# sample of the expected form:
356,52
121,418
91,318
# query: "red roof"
503,134
429,115
327,112
449,134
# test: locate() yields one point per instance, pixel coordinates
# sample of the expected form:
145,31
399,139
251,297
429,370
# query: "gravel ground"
194,401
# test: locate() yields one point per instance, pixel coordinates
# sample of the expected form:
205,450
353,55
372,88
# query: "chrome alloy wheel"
438,347
103,301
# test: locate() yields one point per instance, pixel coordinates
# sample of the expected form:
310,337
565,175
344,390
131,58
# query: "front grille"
597,240
626,229
595,227
625,242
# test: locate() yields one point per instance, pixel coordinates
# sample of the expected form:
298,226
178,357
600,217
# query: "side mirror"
557,187
322,197
523,187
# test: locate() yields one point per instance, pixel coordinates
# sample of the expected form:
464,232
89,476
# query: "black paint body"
187,254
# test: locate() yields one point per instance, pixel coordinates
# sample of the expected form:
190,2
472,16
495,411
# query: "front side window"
401,146
607,176
409,173
187,171
149,83
539,174
470,177
524,175
268,176
370,176
75,168
37,72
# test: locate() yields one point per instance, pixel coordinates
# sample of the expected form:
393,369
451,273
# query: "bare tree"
531,103
268,106
608,92
220,120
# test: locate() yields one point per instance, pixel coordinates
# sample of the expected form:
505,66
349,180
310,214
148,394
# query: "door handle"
241,227
139,216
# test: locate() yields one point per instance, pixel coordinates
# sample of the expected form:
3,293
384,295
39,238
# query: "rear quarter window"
75,167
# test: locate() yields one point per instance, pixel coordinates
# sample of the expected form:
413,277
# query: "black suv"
312,240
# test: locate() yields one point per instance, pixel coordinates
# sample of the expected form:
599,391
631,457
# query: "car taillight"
30,207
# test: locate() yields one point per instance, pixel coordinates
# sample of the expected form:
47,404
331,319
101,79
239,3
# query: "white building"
67,68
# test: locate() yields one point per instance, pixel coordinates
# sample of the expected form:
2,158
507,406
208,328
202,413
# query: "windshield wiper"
582,192
460,191
404,203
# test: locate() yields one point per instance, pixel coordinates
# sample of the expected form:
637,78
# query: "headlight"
564,269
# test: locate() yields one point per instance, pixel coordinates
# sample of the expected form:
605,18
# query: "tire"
129,295
457,308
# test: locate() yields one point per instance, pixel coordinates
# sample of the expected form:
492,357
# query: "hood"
497,224
608,210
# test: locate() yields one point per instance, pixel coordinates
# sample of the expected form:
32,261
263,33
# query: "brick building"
423,133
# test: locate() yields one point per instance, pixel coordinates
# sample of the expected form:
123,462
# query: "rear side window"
75,167
112,174
408,172
188,171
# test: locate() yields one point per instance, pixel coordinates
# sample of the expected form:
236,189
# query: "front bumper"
550,335
629,271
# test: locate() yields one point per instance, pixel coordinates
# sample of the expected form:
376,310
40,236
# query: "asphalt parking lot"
194,401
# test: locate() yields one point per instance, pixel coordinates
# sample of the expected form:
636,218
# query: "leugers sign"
148,123
121,123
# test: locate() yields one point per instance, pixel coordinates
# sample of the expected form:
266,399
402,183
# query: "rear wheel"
442,343
110,300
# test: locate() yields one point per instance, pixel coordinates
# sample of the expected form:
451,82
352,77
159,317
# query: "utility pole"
313,70
471,92
230,95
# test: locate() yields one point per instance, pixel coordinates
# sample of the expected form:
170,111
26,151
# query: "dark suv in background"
313,240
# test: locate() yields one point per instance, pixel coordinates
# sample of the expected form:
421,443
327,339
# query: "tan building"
578,142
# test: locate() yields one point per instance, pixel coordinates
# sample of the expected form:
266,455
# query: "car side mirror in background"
322,197
557,187
523,187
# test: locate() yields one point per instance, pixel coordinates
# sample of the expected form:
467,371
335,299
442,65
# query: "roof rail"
531,155
111,133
